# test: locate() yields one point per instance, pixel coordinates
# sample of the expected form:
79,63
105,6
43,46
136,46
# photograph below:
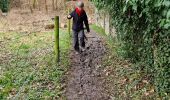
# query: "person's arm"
86,23
70,15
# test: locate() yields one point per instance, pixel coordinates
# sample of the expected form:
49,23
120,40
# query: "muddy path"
85,80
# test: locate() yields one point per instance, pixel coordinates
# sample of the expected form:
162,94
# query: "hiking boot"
76,52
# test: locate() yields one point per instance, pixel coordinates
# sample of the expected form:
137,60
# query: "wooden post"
57,39
69,24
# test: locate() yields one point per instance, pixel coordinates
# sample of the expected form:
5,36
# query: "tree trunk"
56,4
30,6
38,4
46,6
64,4
53,5
34,3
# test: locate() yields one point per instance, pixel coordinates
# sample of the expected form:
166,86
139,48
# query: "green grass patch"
98,29
28,68
109,40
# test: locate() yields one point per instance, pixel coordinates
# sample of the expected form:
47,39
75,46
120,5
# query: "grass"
27,66
110,41
98,29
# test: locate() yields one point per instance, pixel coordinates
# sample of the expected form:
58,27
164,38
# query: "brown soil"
20,19
85,79
24,21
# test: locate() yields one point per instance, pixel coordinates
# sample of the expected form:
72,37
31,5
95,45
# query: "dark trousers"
78,38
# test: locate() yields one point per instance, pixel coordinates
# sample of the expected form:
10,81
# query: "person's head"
80,4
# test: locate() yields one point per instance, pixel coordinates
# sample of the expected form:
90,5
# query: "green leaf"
166,3
134,7
124,9
167,26
168,14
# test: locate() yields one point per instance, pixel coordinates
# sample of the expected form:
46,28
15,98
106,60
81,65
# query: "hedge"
4,5
143,28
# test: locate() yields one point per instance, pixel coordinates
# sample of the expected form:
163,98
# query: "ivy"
143,28
4,4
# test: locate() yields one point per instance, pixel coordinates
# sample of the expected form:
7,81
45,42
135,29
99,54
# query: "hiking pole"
85,36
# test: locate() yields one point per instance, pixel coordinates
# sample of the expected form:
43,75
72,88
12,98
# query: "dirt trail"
85,80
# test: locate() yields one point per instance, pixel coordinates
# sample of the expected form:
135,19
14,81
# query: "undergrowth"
28,70
143,28
123,79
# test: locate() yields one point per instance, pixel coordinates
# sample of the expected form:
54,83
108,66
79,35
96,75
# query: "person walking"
79,19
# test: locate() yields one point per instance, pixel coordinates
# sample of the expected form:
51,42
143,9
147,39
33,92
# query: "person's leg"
75,41
82,37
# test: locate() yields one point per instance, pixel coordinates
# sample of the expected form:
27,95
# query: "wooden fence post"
57,55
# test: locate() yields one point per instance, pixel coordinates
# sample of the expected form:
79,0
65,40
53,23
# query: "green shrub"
143,27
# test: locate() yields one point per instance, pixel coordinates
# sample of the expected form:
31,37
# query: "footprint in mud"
84,82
